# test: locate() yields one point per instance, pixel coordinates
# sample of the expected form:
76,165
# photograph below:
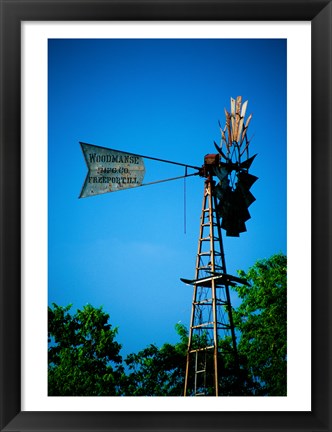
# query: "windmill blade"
223,137
233,103
240,207
238,104
233,224
220,172
236,230
244,109
222,192
220,127
228,127
237,118
233,107
222,131
248,198
246,146
243,113
233,213
219,150
233,204
218,191
233,193
246,128
246,180
247,163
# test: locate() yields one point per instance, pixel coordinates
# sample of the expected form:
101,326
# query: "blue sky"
126,251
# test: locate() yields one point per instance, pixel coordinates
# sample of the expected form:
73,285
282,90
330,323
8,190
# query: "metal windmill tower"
212,363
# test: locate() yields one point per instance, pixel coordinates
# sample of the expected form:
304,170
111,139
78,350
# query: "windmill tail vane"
112,170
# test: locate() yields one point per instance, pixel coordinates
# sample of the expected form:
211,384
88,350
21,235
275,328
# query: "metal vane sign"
110,170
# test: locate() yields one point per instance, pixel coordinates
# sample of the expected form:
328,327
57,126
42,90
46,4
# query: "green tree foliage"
261,320
158,371
234,375
83,355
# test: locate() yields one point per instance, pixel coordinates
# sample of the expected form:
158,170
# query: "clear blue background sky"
126,251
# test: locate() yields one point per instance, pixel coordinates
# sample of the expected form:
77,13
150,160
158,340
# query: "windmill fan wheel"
232,169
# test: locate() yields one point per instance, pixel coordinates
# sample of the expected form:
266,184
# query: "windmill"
212,341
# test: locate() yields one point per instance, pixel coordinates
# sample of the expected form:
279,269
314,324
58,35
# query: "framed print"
98,97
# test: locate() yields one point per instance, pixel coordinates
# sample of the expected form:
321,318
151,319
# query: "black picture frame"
319,12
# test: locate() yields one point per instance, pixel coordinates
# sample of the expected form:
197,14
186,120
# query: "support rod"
169,179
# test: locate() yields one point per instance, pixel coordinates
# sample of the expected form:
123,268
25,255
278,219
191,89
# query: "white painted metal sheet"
110,170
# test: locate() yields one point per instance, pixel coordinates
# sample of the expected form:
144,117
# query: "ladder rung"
216,253
208,302
202,325
201,349
208,224
209,267
204,302
207,327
